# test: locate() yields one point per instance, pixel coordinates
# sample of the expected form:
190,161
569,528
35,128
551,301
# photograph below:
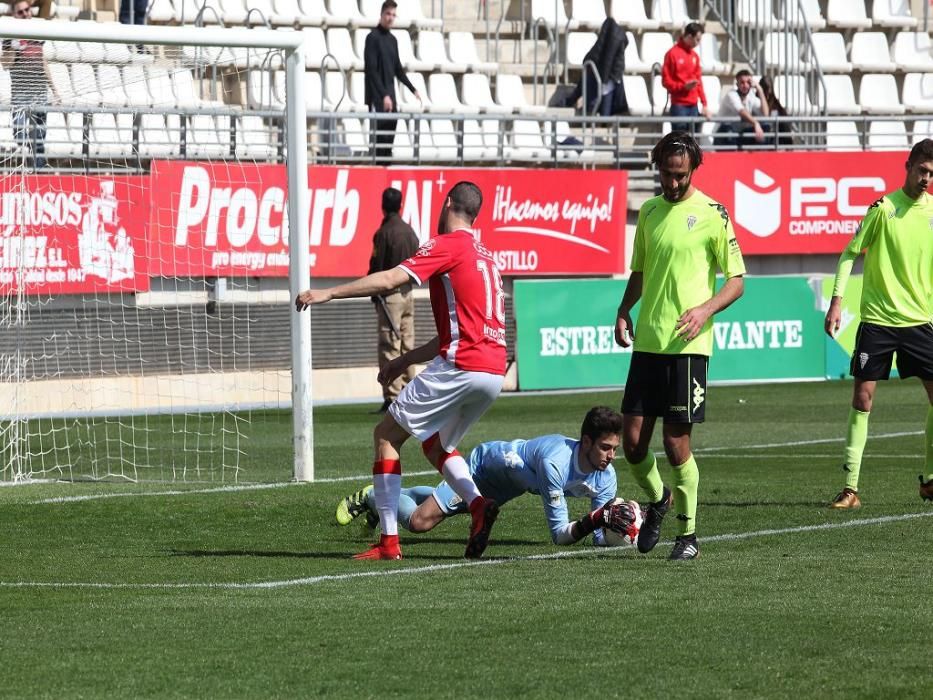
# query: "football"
616,539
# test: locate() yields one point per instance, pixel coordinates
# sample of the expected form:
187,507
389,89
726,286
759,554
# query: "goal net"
145,319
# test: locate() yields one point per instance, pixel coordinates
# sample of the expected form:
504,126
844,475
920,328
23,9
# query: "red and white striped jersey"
466,298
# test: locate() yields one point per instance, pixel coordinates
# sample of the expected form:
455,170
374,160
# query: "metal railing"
550,67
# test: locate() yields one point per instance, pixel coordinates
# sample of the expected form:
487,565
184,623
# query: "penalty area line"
434,568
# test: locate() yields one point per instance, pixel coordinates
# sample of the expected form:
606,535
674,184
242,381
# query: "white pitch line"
363,477
433,568
814,456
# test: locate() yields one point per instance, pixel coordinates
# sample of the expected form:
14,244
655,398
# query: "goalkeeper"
552,467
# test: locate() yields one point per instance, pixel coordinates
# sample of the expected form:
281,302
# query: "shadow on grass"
764,504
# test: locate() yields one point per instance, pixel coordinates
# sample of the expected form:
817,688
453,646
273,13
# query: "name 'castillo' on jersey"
466,298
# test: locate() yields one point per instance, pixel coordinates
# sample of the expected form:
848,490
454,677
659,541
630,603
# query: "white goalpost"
149,252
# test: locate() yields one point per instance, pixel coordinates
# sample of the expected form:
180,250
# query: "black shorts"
671,386
875,347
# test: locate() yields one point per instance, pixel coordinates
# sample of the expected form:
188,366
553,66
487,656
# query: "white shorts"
444,400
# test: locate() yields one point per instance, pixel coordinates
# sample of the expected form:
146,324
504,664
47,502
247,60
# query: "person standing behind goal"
462,380
681,238
896,308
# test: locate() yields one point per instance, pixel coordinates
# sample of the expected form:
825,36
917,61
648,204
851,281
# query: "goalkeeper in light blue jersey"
553,467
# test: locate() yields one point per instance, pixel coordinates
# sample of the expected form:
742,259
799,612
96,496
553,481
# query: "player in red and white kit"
459,383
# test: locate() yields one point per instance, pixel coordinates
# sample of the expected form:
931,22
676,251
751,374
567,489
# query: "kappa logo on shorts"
691,222
862,359
699,395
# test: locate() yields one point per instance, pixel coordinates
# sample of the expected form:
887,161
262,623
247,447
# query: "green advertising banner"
565,333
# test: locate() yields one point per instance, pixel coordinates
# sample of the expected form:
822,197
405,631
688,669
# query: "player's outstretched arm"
833,317
416,356
691,321
367,286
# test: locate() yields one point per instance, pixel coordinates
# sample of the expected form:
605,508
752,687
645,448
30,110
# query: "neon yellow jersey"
678,247
897,237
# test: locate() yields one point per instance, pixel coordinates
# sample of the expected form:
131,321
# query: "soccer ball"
615,539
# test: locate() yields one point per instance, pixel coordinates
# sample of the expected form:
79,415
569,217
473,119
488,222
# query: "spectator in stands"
394,242
133,11
746,101
682,78
29,86
608,55
776,109
381,66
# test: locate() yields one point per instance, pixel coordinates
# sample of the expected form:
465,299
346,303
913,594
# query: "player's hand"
387,103
418,97
759,133
707,114
691,322
619,517
690,84
833,317
624,335
392,369
310,297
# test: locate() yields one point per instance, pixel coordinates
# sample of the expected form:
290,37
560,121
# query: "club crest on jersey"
555,497
454,501
691,222
427,246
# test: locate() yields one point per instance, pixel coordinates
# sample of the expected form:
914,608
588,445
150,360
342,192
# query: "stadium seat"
444,98
160,86
870,53
266,90
208,136
315,47
60,82
710,51
258,12
636,92
340,46
232,12
432,50
357,88
368,17
135,87
289,12
254,140
892,13
887,135
840,95
315,100
918,92
477,93
922,129
911,52
355,135
757,13
407,101
527,143
372,9
63,135
154,140
337,14
92,52
4,87
160,12
589,14
631,15
830,50
659,95
480,139
670,13
84,84
62,51
337,94
806,14
406,53
110,83
462,47
842,136
633,62
444,140
782,53
111,135
847,14
713,89
411,11
792,91
578,43
510,93
553,14
402,148
654,45
878,94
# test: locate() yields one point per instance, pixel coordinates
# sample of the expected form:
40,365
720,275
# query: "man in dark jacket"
608,55
381,66
394,242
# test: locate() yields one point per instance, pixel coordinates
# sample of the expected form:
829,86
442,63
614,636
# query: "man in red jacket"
682,78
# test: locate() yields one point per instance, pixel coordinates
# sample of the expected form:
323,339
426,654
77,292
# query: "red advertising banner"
68,234
223,219
796,202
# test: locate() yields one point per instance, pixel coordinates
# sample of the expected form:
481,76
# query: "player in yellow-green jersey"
897,308
682,237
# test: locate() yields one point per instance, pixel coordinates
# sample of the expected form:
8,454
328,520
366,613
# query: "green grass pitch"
250,593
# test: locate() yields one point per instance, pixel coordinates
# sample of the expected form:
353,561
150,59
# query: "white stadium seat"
444,139
892,13
111,135
510,93
411,11
846,14
842,136
553,14
757,13
432,50
406,99
782,52
368,17
527,143
340,46
315,47
654,45
636,92
356,135
670,13
884,135
918,92
444,96
830,50
578,43
477,93
266,90
154,139
911,52
840,95
463,50
633,62
870,53
254,140
877,94
63,136
792,91
589,14
806,14
480,139
710,51
922,129
631,15
406,53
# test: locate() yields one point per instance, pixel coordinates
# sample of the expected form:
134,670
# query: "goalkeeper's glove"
614,516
